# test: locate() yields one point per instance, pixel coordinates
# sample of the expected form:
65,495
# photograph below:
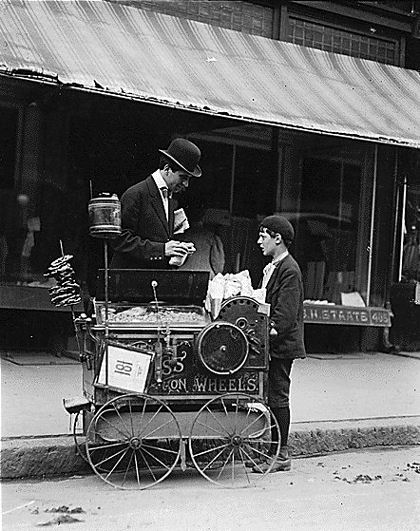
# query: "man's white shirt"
162,186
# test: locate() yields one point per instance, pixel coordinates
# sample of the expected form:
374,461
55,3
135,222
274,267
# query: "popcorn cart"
168,386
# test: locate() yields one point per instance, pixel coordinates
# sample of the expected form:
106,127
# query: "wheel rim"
80,446
228,431
79,439
133,442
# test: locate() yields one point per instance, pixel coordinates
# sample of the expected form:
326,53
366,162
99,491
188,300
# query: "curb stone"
322,437
42,457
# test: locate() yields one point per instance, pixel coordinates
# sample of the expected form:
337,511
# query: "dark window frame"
18,142
397,60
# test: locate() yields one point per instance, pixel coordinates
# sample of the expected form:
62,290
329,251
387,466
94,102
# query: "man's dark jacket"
145,230
285,296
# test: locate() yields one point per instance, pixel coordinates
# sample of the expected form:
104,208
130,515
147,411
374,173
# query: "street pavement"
375,490
324,388
32,395
337,401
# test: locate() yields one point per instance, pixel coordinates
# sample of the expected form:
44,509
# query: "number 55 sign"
127,369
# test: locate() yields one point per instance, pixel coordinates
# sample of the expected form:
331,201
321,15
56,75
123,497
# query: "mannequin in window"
209,255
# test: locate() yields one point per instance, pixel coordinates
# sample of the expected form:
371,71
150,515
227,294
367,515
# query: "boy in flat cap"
282,279
147,211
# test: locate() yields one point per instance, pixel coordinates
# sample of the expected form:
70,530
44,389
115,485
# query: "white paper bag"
180,221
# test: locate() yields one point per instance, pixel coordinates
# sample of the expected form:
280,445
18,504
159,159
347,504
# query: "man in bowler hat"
282,279
147,211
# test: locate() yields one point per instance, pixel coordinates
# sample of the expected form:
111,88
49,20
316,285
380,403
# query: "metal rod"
106,309
280,179
392,270
73,315
403,208
372,224
158,346
340,199
231,203
232,180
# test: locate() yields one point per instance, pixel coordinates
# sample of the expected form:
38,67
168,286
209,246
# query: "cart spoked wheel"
230,434
133,441
78,438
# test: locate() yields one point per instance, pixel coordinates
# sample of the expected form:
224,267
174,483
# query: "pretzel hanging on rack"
67,291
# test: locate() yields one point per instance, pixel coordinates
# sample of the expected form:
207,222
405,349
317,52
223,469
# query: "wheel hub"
135,443
236,440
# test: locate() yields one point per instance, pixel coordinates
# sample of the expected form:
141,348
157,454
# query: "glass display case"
147,316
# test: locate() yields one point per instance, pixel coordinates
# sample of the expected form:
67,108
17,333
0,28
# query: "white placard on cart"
127,369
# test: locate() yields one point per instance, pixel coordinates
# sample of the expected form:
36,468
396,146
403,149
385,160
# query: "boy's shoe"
250,463
279,465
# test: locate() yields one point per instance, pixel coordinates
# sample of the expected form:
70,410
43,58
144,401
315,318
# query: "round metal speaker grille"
222,348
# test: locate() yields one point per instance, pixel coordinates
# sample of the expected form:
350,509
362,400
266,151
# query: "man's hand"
174,248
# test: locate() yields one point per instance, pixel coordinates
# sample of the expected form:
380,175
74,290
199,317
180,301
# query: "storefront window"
11,218
238,179
327,228
254,186
238,187
411,249
215,187
42,202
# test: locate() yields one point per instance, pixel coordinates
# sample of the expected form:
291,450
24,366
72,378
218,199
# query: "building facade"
345,191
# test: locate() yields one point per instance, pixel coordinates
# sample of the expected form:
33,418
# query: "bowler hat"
185,154
279,225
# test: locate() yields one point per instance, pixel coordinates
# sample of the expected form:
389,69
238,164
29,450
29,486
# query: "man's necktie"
165,196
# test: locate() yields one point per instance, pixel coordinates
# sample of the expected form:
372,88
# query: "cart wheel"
230,432
127,441
79,439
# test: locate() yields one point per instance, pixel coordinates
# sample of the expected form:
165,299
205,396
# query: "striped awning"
127,52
